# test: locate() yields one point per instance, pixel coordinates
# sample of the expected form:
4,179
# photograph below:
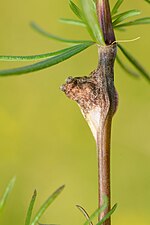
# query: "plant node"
95,94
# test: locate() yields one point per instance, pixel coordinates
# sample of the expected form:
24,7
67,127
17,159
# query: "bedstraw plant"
95,94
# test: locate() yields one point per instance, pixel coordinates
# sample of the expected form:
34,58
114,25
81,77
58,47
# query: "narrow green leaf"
72,22
6,193
68,53
145,20
85,214
30,209
46,205
107,215
32,57
127,69
116,7
75,9
91,20
98,211
51,36
135,63
119,28
126,12
47,224
123,16
147,1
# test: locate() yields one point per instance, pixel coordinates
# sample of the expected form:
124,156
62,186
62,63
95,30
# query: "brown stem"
96,97
109,105
104,184
104,16
106,63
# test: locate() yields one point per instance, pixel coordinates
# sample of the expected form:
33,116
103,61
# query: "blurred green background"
44,140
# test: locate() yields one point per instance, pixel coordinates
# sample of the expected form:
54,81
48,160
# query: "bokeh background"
44,140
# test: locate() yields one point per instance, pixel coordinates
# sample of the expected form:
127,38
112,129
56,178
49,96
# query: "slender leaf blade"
147,1
126,69
30,209
107,215
91,21
123,16
48,62
98,211
85,214
75,9
119,28
46,205
52,36
72,22
116,7
7,193
33,57
145,20
135,63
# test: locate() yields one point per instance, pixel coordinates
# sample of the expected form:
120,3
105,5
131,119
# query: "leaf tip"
60,189
35,193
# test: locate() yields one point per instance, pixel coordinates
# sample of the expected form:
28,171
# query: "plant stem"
96,97
108,107
104,16
106,63
103,145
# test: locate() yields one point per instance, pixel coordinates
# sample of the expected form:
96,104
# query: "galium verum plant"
95,94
